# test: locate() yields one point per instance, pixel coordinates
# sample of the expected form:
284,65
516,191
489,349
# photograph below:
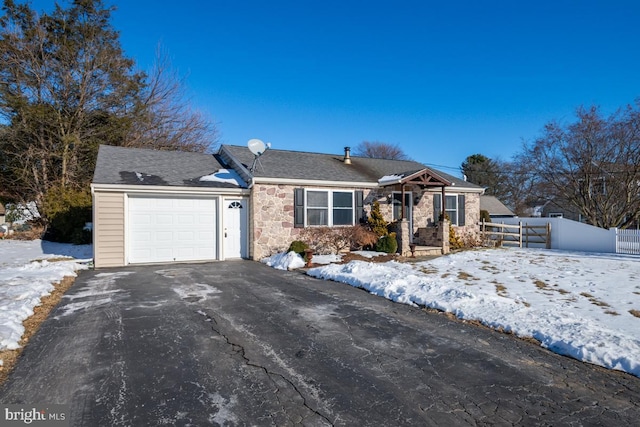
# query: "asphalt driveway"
238,343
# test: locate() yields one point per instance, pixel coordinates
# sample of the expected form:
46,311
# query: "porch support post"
403,215
443,203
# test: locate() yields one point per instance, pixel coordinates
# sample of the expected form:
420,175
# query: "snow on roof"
225,175
387,179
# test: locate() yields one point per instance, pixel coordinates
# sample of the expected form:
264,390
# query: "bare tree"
165,119
66,87
593,164
380,150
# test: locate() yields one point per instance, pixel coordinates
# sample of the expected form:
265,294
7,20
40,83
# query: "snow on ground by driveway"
576,304
26,276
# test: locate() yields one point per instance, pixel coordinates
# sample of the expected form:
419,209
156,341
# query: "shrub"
298,246
387,244
67,211
376,221
484,216
325,240
455,242
362,237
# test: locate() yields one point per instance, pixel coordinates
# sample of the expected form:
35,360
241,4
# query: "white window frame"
329,206
453,218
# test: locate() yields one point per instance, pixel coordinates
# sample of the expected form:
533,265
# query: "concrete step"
427,251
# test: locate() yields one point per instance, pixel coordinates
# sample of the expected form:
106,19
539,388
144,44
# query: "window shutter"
360,217
298,207
437,207
461,213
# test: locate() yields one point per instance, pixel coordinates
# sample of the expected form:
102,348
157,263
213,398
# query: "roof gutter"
166,189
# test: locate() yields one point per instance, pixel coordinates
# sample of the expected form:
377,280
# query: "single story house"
154,206
495,207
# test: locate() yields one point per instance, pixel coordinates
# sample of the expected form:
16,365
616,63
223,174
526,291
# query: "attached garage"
170,228
154,206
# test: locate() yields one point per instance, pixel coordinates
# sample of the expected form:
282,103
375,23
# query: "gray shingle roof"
494,206
139,166
329,167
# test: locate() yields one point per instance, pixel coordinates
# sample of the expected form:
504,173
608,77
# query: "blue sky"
443,80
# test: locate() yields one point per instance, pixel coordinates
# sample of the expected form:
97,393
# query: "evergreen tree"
65,88
376,221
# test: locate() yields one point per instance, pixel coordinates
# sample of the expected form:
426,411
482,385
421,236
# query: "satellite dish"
257,147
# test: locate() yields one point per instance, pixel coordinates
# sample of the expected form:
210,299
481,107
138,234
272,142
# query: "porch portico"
419,240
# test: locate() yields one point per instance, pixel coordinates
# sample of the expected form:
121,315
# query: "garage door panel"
141,219
164,219
165,229
164,236
186,220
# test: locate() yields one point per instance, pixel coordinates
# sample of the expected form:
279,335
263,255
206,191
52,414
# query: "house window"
555,215
342,208
454,207
327,207
451,208
320,203
317,208
397,206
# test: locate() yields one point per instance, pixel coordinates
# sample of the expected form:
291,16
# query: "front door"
235,228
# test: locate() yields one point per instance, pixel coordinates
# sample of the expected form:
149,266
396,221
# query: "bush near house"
324,240
68,210
484,216
298,246
387,244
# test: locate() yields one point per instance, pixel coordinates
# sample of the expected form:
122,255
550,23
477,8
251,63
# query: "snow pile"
575,304
284,261
26,276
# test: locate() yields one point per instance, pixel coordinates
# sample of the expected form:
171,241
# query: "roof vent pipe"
347,155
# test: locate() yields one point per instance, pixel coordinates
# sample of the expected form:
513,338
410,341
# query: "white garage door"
167,229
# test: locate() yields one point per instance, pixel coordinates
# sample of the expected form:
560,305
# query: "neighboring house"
559,207
160,206
495,207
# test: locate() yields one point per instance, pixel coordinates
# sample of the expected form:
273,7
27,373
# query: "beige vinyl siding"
108,229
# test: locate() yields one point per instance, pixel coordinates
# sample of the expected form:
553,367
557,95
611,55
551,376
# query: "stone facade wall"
272,214
472,216
272,219
423,216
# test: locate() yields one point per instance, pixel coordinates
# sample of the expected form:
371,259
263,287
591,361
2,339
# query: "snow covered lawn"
26,276
582,305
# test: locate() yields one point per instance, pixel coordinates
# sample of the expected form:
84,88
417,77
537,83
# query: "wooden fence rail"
520,235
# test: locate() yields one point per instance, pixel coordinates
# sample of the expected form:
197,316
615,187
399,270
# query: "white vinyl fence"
628,242
575,236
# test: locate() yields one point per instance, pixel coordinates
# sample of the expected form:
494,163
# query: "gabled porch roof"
422,178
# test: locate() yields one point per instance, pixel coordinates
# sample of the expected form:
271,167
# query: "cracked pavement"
238,343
